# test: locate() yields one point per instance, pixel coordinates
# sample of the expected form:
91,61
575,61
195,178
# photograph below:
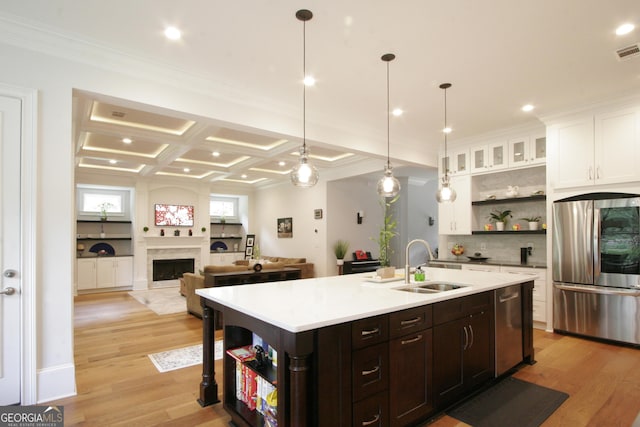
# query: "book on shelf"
242,354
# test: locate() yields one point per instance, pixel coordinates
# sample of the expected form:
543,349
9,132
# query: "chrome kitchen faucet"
406,255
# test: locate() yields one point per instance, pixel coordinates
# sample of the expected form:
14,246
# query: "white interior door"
10,250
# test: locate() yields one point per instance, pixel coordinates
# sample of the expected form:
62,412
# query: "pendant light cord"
445,131
304,86
388,118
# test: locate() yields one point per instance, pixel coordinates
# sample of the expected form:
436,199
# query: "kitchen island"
355,351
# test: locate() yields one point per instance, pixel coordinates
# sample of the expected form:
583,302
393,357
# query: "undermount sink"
430,288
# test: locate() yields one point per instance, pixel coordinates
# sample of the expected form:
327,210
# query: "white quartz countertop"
306,304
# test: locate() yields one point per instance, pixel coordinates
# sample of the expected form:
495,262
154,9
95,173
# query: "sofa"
193,281
306,268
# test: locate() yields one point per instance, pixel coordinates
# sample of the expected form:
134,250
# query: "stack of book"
255,391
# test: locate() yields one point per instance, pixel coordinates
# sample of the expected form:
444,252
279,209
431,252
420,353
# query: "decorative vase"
533,225
340,262
500,226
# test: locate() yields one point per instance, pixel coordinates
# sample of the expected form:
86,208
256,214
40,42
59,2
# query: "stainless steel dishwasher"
508,307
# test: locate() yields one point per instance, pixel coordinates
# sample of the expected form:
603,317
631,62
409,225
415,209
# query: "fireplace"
171,269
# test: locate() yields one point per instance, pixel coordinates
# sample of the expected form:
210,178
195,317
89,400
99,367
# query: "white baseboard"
56,383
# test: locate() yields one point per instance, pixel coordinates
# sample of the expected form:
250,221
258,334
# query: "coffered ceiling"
557,55
112,138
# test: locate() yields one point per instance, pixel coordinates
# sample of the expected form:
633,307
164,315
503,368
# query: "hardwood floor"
118,385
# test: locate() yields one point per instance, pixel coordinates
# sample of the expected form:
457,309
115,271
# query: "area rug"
182,357
511,402
162,301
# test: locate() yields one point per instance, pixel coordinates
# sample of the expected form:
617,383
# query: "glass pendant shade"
445,193
304,174
388,185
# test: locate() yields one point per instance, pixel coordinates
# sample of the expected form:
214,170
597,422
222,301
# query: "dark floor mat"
511,402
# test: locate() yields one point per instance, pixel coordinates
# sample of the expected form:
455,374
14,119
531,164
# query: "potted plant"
386,233
500,218
340,248
104,207
203,229
145,228
533,222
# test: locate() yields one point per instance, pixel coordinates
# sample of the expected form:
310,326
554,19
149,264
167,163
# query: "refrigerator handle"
597,267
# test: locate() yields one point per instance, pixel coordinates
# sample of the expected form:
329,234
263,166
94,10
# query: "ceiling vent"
628,52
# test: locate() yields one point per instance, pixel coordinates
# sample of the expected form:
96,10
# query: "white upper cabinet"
489,157
597,149
527,150
617,144
455,217
457,162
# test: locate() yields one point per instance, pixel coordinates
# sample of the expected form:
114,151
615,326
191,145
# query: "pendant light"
445,193
304,174
388,186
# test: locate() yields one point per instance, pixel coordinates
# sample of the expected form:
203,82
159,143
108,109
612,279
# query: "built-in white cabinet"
456,162
86,273
455,217
539,289
225,258
527,150
104,272
597,149
489,157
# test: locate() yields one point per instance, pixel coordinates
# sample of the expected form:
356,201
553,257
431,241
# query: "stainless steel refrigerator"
596,266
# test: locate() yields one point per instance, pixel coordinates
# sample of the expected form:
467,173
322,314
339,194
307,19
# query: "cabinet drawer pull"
373,421
471,330
371,371
412,340
370,332
410,321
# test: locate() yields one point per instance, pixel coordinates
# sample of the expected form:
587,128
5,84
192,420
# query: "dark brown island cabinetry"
463,341
394,369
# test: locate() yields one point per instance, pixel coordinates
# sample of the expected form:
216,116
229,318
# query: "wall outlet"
530,246
483,246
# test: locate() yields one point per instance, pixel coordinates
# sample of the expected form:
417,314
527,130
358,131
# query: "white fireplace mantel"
173,242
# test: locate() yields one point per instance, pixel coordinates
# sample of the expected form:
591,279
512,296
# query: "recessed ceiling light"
113,162
281,163
397,112
624,29
186,170
447,130
127,140
243,176
309,81
527,108
172,33
216,154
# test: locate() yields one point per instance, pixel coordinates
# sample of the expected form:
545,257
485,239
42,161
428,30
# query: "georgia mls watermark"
31,416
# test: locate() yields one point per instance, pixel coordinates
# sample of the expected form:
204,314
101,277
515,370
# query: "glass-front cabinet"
456,162
489,157
527,150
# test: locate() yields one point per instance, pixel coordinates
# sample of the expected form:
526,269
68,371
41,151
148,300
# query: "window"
92,200
223,207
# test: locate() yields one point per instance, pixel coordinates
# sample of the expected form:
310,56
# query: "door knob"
8,291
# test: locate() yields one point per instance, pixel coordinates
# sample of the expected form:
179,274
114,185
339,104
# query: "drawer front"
539,311
539,290
372,412
370,371
407,321
369,331
458,308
